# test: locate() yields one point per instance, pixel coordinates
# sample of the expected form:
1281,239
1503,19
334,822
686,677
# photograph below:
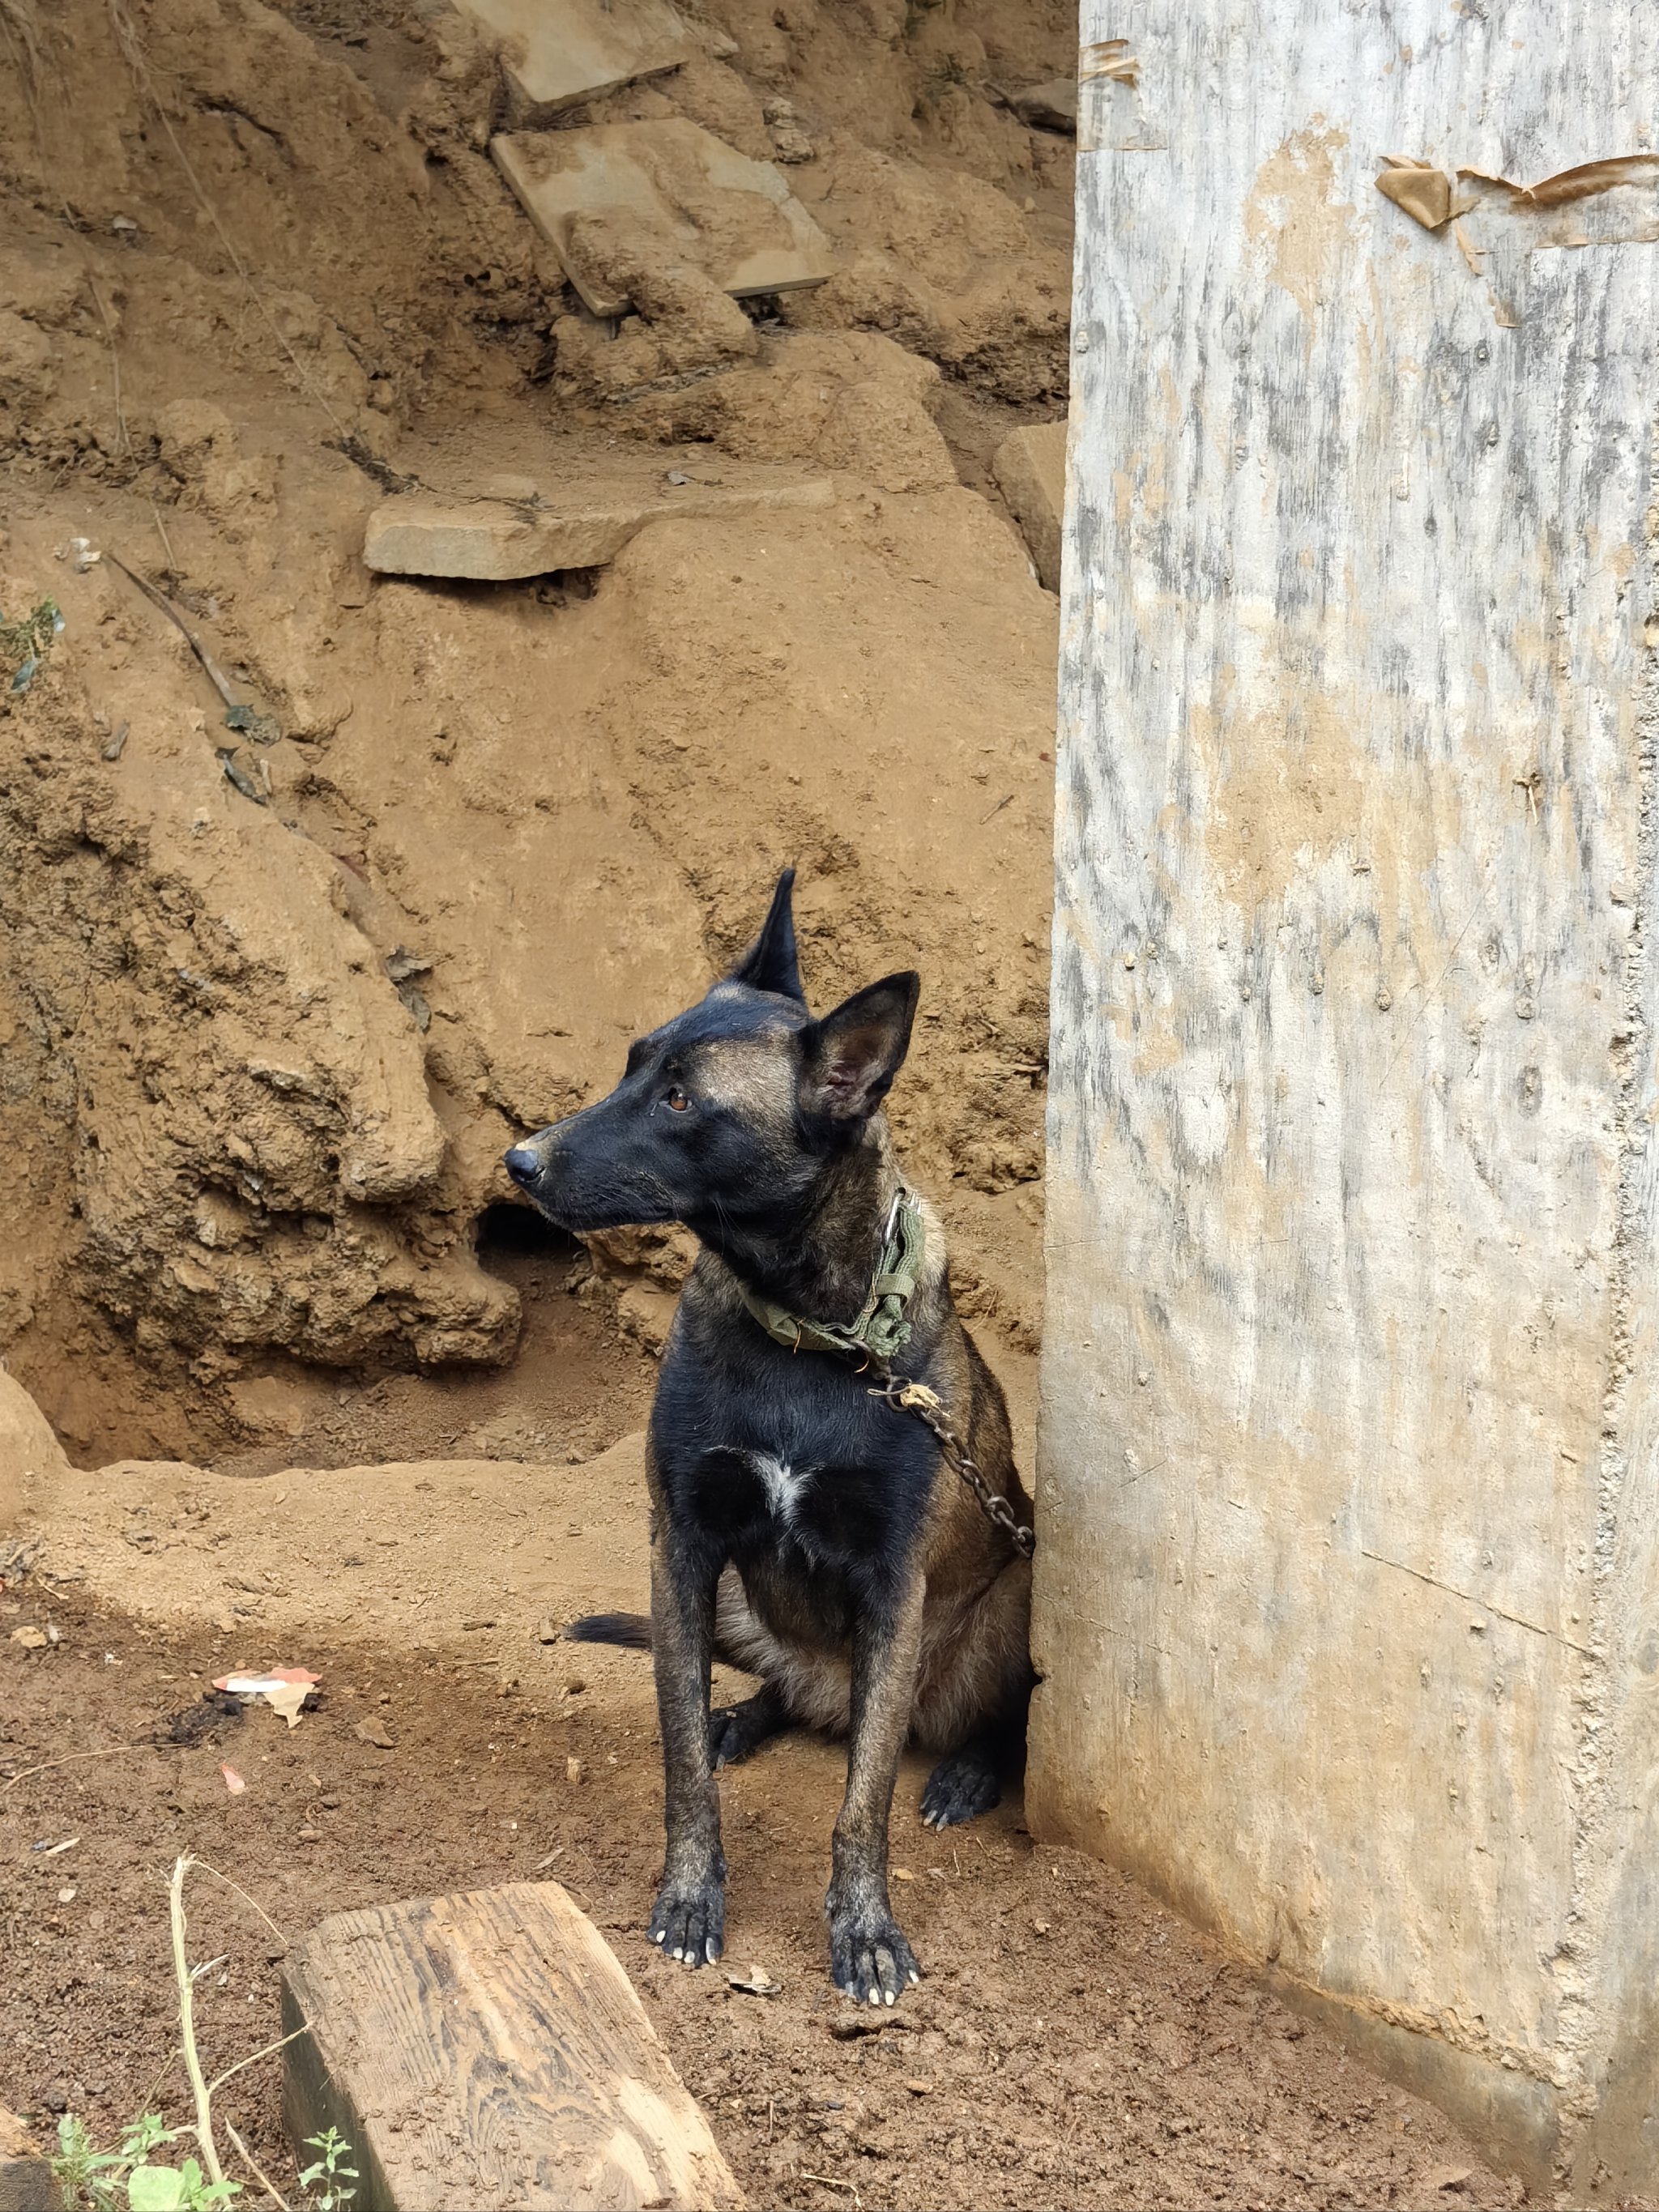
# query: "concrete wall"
1348,1585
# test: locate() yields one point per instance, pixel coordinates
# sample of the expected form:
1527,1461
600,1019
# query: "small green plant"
129,2180
323,2182
25,643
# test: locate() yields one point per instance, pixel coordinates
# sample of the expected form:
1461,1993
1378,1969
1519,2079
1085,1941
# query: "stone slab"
667,190
557,52
1050,106
1030,471
578,526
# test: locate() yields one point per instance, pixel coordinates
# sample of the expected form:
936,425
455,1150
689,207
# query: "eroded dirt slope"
258,1061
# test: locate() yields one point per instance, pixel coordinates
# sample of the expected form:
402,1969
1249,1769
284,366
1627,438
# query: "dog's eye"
677,1098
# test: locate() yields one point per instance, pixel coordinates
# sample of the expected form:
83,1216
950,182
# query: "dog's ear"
851,1056
770,964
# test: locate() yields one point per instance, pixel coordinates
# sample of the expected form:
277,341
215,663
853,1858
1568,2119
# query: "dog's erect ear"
770,964
853,1054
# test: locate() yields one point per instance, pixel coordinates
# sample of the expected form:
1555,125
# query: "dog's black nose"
522,1164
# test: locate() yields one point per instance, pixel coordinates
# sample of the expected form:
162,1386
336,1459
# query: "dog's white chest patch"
784,1483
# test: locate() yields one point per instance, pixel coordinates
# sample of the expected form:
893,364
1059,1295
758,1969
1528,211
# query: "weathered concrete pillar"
1348,1585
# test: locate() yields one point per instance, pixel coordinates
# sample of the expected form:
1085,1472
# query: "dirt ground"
1071,2042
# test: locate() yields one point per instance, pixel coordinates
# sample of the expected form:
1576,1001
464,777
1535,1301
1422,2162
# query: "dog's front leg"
689,1918
868,1956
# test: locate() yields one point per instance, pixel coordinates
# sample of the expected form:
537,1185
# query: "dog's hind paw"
870,1959
735,1731
690,1923
960,1788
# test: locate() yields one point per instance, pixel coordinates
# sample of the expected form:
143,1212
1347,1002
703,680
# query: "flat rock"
577,524
1031,469
668,191
1050,106
31,1457
487,2049
555,52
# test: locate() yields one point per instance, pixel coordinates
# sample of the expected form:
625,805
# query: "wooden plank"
26,2182
487,2051
1349,1476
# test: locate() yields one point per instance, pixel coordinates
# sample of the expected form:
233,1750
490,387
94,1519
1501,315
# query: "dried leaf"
757,1983
31,1639
287,1699
284,1689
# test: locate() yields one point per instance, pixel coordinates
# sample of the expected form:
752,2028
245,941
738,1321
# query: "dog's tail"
632,1631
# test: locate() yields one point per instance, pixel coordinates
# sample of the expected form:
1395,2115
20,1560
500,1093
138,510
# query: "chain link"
908,1397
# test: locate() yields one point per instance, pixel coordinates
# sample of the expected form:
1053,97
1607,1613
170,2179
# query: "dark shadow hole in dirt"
507,1231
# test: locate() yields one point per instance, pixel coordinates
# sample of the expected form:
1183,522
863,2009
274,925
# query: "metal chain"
908,1397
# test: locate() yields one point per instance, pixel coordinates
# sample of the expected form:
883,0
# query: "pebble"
311,1835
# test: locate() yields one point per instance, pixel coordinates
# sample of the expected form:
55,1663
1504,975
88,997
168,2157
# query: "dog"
803,1527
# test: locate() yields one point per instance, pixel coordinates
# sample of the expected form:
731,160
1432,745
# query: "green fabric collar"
881,1329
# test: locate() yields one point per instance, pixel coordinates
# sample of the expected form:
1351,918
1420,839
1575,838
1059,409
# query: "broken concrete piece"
582,526
1050,106
667,191
555,52
1031,469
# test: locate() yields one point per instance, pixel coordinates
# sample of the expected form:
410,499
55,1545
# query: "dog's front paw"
869,1959
688,1921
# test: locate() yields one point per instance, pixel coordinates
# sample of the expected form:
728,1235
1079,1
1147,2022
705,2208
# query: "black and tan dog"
802,1528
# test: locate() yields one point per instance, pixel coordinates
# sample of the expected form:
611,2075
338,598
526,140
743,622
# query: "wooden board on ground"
26,2182
667,191
488,2051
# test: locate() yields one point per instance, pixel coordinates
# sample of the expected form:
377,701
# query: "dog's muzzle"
522,1164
